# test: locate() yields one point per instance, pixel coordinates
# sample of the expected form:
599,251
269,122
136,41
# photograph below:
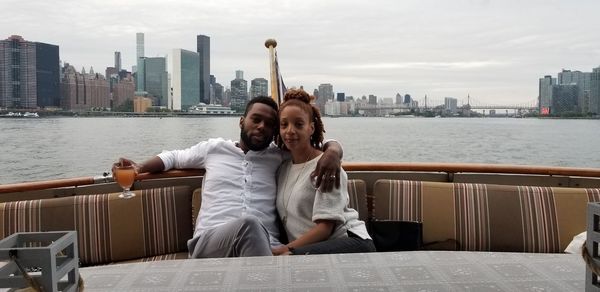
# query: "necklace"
285,189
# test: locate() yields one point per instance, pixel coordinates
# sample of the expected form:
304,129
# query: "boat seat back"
357,191
110,229
487,217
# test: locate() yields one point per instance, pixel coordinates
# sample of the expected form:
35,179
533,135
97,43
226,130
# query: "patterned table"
400,271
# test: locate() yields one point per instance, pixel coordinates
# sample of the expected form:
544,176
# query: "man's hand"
280,250
126,162
327,173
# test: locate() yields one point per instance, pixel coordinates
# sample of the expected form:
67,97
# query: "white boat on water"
211,109
31,115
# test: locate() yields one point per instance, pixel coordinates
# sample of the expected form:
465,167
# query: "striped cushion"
154,222
486,217
357,190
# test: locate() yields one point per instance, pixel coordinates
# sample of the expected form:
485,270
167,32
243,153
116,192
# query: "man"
238,214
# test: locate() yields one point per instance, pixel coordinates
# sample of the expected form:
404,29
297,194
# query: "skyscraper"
239,91
139,40
325,92
341,97
564,98
29,74
545,94
118,61
185,73
203,49
155,79
582,80
595,91
259,87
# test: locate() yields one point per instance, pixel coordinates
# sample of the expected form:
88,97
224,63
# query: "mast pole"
271,44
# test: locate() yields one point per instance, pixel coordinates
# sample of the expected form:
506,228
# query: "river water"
50,148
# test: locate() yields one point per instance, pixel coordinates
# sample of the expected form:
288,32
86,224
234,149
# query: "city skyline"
494,51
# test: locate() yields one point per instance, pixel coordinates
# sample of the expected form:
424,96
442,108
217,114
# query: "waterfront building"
398,98
582,80
387,101
141,104
227,97
139,41
83,92
155,79
545,94
325,93
239,91
259,87
185,72
341,97
29,74
372,99
407,99
219,95
450,105
203,49
594,97
122,90
564,98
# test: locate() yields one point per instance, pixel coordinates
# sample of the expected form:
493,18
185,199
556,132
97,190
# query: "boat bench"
486,217
154,225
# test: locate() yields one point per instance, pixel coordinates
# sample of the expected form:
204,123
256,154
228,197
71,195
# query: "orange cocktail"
125,175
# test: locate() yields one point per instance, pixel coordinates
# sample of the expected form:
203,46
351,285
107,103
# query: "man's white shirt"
235,183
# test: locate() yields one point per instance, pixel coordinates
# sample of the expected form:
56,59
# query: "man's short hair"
261,99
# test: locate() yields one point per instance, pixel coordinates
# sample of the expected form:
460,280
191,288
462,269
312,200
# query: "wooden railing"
348,166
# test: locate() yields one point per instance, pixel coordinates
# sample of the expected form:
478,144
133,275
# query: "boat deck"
396,271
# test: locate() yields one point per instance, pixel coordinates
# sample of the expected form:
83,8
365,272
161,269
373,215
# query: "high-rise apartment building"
372,99
341,97
583,81
185,72
29,74
259,87
203,49
83,92
545,94
594,97
139,46
450,104
565,98
239,91
118,61
325,94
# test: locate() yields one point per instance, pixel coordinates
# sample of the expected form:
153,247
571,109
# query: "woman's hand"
327,172
281,250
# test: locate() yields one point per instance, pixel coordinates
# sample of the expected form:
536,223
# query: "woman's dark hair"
301,99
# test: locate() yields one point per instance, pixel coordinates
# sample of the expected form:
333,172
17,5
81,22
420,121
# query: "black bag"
390,235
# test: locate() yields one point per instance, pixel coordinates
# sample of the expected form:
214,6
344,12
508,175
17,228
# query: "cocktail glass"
125,175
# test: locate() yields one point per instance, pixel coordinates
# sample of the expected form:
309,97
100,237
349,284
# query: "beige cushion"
109,229
486,217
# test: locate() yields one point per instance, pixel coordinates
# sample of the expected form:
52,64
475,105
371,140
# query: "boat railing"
368,171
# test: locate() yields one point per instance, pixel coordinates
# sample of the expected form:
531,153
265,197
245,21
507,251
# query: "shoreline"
69,114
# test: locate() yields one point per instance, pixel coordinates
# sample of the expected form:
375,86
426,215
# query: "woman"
315,222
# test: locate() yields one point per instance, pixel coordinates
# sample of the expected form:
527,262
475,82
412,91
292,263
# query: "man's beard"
254,147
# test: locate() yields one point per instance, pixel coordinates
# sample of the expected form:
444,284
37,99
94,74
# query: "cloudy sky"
493,50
